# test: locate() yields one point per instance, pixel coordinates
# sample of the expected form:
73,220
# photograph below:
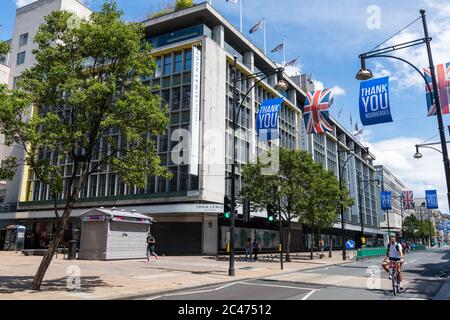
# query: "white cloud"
339,91
419,175
438,19
318,85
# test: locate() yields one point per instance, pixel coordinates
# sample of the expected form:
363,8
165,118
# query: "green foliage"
85,85
4,48
183,4
411,227
304,189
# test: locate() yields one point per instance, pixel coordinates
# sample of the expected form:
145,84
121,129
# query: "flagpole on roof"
284,52
240,13
265,43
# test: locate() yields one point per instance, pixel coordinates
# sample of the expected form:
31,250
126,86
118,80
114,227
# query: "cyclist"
394,252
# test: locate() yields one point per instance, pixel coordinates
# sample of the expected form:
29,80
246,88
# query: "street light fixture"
365,74
281,85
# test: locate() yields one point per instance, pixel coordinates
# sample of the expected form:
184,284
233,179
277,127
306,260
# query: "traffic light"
227,207
271,215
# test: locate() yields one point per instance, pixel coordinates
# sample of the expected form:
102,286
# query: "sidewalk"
126,278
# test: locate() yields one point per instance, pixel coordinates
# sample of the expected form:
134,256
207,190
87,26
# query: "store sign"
374,101
195,111
431,199
267,119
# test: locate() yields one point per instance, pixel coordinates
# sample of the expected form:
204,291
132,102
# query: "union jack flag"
315,112
408,200
443,83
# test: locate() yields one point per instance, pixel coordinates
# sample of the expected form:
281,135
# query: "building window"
23,40
20,58
167,64
2,59
15,82
187,60
178,58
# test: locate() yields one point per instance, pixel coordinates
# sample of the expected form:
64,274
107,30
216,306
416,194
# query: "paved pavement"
133,278
425,277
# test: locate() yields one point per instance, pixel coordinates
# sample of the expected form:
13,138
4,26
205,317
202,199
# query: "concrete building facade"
389,182
187,208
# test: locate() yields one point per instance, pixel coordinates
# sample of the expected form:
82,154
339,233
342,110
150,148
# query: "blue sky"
327,37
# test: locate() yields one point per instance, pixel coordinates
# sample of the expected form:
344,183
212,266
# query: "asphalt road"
424,273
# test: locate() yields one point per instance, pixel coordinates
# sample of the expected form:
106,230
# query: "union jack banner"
443,84
315,112
408,200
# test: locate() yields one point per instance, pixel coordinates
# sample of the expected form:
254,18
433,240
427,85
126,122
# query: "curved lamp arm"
405,61
246,95
422,146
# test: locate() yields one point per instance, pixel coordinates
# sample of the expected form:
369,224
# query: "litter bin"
72,250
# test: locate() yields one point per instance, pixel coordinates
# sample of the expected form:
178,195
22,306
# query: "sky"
327,37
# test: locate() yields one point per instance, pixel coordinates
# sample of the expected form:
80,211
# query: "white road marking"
278,286
193,292
308,295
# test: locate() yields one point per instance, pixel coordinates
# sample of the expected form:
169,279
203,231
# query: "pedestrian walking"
321,245
248,249
256,248
151,247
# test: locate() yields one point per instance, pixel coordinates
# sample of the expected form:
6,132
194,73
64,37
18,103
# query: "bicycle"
394,276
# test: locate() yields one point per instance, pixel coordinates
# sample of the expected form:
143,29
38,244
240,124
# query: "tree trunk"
330,252
288,243
45,262
312,243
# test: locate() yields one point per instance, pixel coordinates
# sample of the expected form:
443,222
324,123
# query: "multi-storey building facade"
389,182
194,49
4,150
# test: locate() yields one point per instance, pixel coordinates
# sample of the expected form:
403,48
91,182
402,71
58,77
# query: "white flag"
233,1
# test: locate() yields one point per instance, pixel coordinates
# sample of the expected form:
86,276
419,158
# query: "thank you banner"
431,198
267,119
386,200
374,101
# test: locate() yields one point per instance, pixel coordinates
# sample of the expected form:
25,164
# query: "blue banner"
386,200
431,197
440,226
374,101
448,226
267,119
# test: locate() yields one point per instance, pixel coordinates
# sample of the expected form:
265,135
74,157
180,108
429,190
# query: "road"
424,273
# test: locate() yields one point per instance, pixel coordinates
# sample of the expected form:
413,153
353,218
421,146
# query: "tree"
320,204
183,4
85,85
411,227
291,187
283,189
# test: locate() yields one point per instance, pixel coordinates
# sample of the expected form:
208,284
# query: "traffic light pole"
281,233
231,270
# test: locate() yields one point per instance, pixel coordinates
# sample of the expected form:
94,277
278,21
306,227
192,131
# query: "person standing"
248,249
151,247
256,248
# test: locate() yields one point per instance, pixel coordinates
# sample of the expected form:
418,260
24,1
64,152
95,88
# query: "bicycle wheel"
394,283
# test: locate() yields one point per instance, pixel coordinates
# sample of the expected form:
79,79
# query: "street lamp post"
341,173
280,85
365,74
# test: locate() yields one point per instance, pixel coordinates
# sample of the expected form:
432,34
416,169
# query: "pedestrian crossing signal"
227,207
271,213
